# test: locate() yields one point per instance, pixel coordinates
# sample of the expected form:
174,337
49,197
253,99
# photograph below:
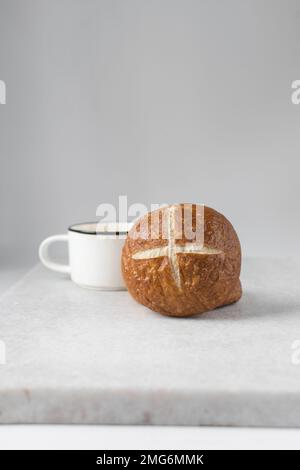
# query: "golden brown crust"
206,280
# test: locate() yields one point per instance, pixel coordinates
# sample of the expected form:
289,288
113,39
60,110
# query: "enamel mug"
94,254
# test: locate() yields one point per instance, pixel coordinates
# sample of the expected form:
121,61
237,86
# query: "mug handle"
44,254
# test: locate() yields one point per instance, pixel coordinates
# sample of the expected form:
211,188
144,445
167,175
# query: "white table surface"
136,437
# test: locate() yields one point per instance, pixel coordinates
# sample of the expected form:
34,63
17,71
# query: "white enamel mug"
94,254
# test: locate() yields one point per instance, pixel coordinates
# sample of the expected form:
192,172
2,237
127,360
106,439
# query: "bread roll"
182,260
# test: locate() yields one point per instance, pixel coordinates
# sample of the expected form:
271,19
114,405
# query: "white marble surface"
78,356
10,274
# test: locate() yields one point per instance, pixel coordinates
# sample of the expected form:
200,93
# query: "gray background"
162,100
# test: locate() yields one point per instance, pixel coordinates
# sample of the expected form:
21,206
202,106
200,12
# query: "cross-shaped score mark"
172,249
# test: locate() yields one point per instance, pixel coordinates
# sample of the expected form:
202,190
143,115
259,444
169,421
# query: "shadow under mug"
94,254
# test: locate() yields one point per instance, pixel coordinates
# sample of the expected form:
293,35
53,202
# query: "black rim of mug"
95,232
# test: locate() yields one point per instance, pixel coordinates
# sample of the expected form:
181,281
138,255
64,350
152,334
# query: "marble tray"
80,356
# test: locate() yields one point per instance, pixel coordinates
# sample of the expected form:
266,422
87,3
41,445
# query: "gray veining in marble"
81,356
